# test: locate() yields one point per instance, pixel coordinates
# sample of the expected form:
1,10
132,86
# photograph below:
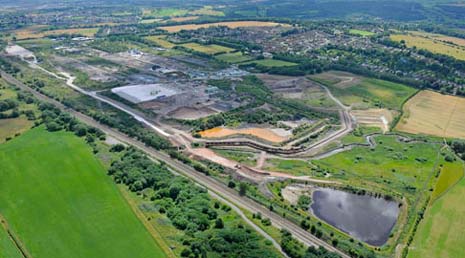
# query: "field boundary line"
450,187
397,119
151,229
456,102
19,245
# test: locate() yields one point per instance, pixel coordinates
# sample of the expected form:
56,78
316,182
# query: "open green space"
207,49
236,57
440,233
363,33
271,63
292,167
59,201
404,167
8,248
244,158
164,12
450,174
362,92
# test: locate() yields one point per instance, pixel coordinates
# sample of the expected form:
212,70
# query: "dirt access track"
435,114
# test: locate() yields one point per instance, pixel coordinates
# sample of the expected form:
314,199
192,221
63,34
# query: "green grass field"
7,246
272,63
451,173
363,33
207,49
161,40
244,158
441,232
362,92
165,12
292,167
391,164
59,201
233,58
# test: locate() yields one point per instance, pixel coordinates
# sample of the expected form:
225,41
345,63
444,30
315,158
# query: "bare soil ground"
434,114
380,118
191,113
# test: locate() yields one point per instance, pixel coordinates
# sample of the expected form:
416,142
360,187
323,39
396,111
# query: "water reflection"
364,217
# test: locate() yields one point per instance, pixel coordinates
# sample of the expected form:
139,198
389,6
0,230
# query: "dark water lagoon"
364,217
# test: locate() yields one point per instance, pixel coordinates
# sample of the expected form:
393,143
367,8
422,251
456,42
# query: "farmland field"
233,25
12,126
234,58
161,40
272,63
207,49
362,92
440,233
363,33
7,246
433,44
58,200
184,18
207,10
37,32
164,12
434,114
451,173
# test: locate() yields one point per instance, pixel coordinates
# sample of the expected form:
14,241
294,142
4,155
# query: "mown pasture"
435,114
59,201
450,174
8,248
362,33
271,63
207,49
233,58
161,41
440,233
362,92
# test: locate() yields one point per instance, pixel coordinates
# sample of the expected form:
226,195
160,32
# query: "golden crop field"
161,40
232,25
433,44
457,41
35,32
434,114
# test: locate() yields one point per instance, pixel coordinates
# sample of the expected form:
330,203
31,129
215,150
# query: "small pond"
364,217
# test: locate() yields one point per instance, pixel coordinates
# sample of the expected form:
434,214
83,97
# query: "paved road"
211,184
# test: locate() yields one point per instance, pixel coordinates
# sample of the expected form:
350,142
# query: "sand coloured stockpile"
262,133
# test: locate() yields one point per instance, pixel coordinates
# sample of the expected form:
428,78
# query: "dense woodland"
189,208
